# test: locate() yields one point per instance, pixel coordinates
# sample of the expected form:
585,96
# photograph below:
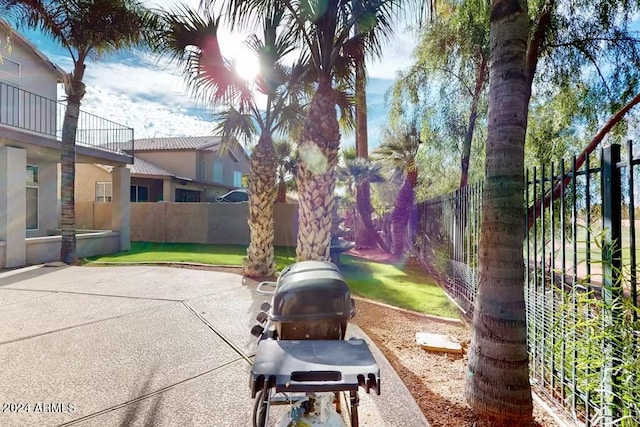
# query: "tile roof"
141,167
176,143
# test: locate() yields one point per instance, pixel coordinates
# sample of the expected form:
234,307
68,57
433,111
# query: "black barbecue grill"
311,301
310,305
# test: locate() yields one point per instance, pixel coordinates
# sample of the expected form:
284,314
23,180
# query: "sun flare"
246,66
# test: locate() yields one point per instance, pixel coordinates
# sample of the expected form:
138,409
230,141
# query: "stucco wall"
180,163
229,166
285,219
223,223
93,216
35,76
47,249
86,177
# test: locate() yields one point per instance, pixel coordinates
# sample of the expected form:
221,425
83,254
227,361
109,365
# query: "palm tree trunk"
262,179
75,90
365,219
366,234
400,218
498,376
317,160
282,192
401,213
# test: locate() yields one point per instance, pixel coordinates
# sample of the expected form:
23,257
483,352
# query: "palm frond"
345,101
363,170
87,28
399,146
233,123
191,40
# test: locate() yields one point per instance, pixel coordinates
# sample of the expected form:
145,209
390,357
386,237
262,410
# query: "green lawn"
190,252
397,285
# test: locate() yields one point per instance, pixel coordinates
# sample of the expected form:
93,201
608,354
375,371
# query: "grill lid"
311,290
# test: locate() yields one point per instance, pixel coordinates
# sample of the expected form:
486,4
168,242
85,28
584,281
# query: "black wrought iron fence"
581,279
34,113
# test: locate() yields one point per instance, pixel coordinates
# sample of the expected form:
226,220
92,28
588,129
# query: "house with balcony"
30,144
174,169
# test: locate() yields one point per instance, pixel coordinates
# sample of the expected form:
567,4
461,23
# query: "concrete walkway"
142,346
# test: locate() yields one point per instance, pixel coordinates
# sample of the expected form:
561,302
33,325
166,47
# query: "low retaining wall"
47,249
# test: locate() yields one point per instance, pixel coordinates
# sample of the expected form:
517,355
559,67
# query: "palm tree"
498,377
361,173
286,168
88,29
326,31
345,178
399,150
191,39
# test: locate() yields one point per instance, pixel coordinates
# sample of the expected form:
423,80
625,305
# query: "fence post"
612,264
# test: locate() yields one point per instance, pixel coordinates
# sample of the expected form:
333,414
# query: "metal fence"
34,113
581,279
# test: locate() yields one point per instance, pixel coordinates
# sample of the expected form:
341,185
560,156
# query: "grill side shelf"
314,365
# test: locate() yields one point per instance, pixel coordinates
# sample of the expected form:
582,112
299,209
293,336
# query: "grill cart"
302,359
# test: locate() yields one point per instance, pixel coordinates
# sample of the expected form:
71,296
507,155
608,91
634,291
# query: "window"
32,174
32,208
237,179
203,170
9,67
139,193
217,169
103,192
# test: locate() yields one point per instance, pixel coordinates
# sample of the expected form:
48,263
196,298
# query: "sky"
134,88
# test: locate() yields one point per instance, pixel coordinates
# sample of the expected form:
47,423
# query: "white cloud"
396,54
148,118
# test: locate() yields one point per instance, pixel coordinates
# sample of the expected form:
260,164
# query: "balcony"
36,114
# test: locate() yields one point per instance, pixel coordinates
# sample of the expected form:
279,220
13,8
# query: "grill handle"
262,285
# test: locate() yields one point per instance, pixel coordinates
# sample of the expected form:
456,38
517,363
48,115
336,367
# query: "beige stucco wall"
93,216
180,163
86,177
101,216
223,223
227,223
285,222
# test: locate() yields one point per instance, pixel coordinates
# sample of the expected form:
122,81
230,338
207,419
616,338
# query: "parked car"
234,196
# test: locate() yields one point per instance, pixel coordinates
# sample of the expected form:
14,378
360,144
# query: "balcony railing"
28,111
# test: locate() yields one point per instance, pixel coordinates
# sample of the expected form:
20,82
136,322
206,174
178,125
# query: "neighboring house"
30,132
176,169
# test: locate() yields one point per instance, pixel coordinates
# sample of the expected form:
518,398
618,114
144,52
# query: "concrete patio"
143,346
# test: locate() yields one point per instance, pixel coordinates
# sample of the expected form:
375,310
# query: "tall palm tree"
191,39
498,376
88,29
399,149
286,168
363,172
326,31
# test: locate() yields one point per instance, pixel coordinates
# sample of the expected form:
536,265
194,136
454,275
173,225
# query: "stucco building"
30,135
